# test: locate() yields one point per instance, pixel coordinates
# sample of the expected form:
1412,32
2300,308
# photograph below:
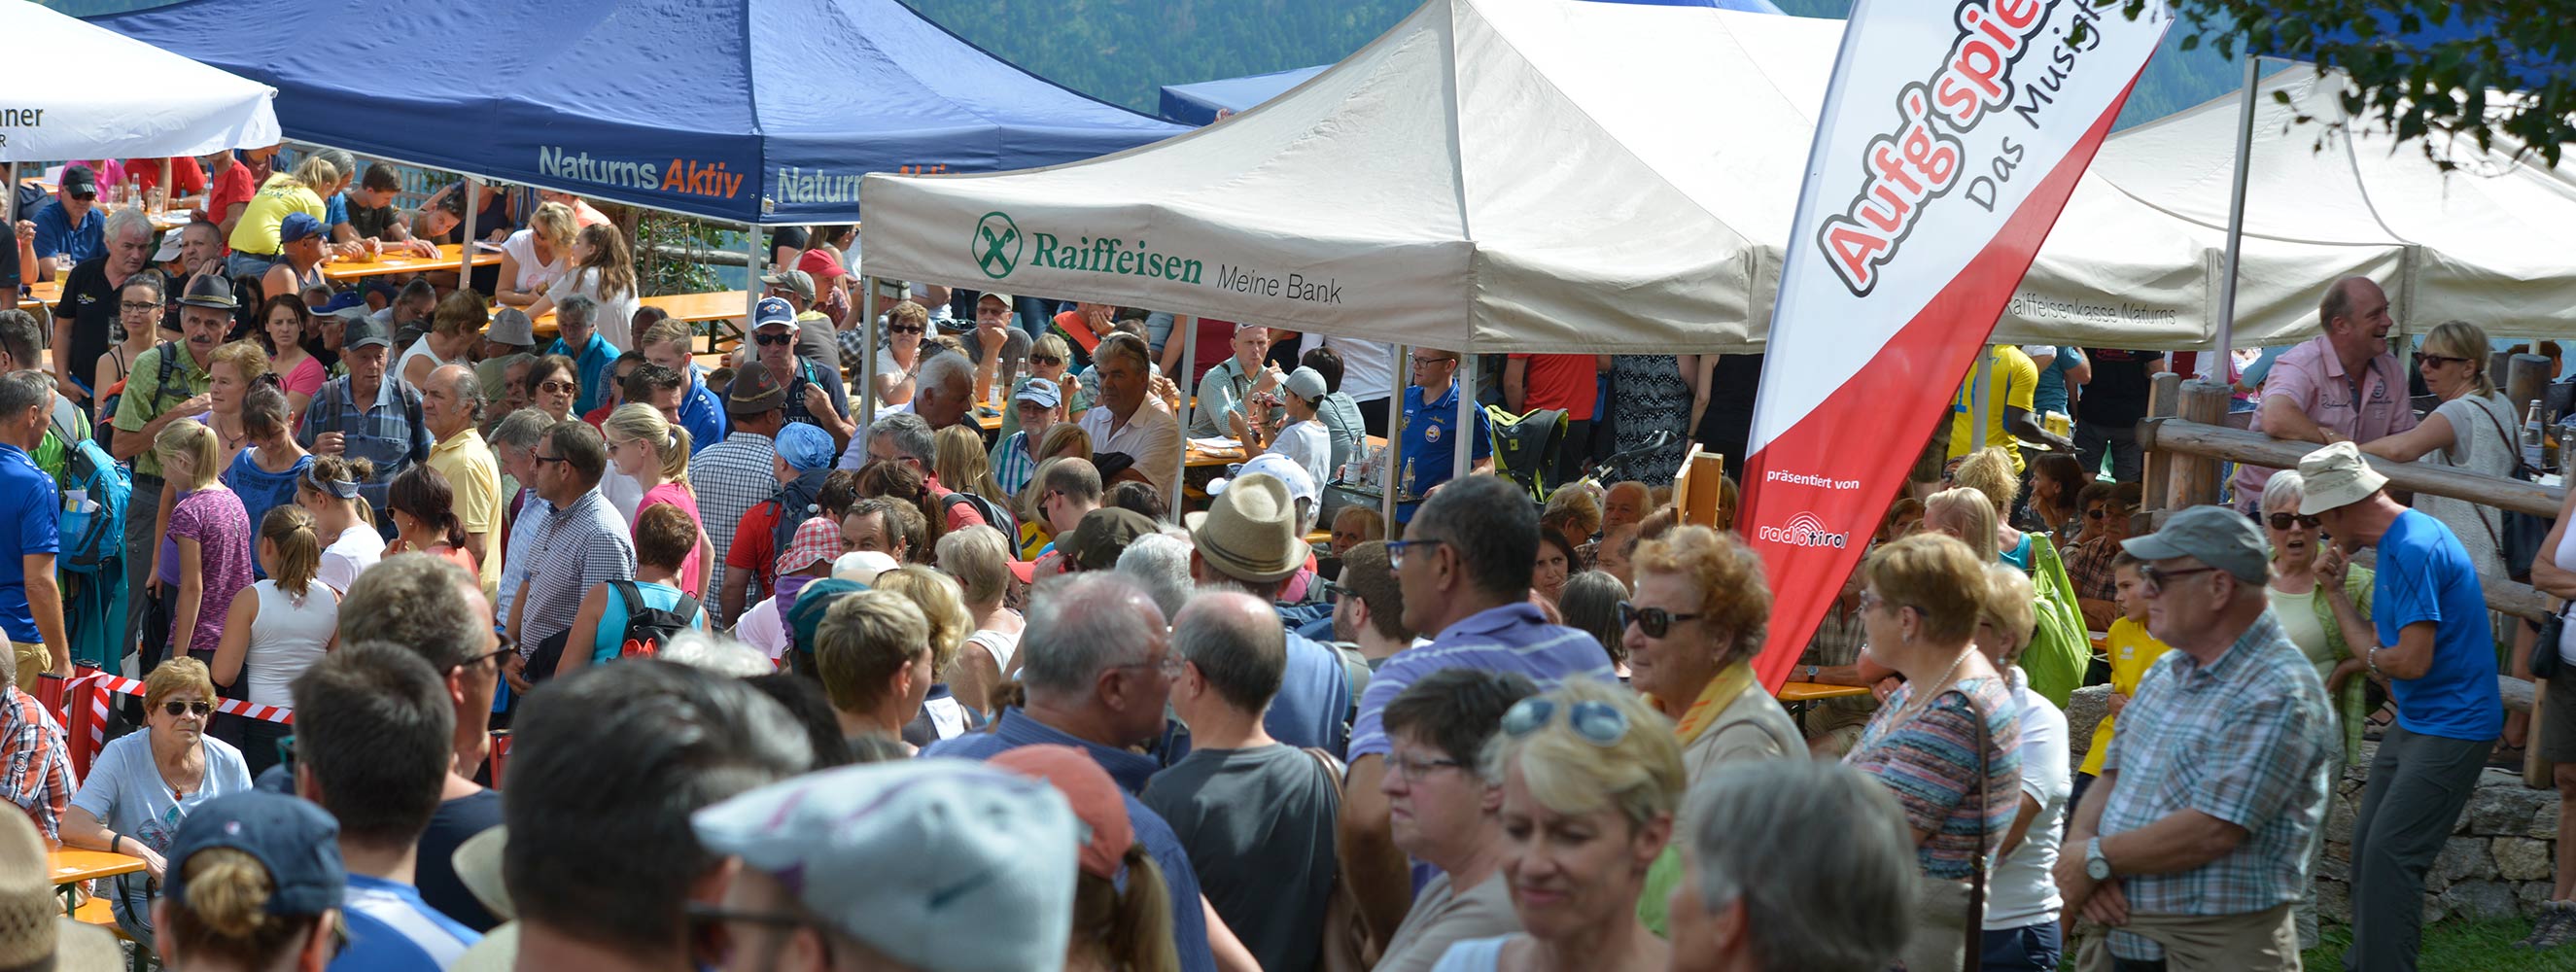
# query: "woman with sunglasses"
1691,630
144,784
1948,743
899,358
1590,779
2473,430
553,383
2309,618
257,887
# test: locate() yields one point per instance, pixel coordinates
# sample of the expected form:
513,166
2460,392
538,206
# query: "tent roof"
155,103
726,109
1197,104
1482,177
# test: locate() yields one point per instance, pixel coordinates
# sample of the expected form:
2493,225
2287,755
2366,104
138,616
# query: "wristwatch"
2096,866
1812,670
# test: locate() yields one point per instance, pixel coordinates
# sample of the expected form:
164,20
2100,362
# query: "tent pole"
1462,450
1394,457
2236,222
867,358
1977,391
1189,408
751,289
465,235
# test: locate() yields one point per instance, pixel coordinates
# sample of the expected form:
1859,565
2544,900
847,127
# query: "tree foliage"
1124,51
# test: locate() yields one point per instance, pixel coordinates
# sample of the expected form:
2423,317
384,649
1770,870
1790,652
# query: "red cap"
1094,796
820,264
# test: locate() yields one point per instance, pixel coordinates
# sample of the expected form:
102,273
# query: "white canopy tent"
73,90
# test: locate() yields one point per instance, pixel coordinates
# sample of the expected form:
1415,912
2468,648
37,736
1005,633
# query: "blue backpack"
91,538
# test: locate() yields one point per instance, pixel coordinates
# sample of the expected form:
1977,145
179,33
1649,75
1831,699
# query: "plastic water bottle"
2533,440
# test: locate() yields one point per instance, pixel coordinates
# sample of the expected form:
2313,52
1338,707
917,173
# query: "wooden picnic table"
720,305
1799,697
46,292
393,264
72,865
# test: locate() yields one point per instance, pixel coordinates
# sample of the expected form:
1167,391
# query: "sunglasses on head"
1598,723
775,340
1654,621
177,708
2282,521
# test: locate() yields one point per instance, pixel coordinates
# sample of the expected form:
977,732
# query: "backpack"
647,628
94,537
796,504
169,358
992,512
1525,446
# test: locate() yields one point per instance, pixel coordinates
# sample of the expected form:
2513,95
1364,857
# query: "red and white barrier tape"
105,683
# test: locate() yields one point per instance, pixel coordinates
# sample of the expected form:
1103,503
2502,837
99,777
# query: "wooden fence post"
2526,378
2164,400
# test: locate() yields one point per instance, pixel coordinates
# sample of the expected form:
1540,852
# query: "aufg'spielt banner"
1951,137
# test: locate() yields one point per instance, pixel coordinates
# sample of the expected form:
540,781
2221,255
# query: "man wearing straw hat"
1248,539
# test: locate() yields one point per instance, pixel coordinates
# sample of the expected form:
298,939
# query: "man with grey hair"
1095,669
908,438
451,404
89,318
945,395
577,337
1267,873
432,608
1160,563
1791,865
514,443
2192,844
31,606
1130,421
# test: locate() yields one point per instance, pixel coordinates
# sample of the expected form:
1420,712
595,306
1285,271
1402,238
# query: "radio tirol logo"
1803,530
998,247
1923,157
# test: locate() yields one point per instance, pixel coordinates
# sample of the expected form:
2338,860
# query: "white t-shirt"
533,276
353,551
615,319
622,492
1368,367
1310,445
2023,892
762,628
1000,644
419,349
286,639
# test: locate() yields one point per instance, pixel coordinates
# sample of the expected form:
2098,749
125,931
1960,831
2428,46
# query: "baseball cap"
511,326
171,243
1039,391
793,279
755,390
208,290
772,310
2336,475
2213,535
1103,534
804,447
1306,383
79,182
1300,485
818,538
820,266
812,601
988,858
298,226
1249,532
1093,797
1007,303
363,331
297,843
863,566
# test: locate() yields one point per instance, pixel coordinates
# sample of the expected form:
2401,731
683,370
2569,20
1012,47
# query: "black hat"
209,290
363,331
79,181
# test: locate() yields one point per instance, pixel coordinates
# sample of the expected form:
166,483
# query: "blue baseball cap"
294,840
772,310
297,226
805,447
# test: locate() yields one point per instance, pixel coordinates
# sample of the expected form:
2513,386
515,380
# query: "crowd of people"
787,686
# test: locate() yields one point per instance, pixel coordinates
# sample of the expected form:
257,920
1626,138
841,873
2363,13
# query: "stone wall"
2497,864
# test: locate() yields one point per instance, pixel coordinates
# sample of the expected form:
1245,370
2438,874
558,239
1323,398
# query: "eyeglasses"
177,708
132,307
1415,768
713,944
775,340
1869,600
85,196
2152,579
506,647
1048,360
2282,521
1654,621
902,329
558,387
550,459
1332,592
1395,550
1598,723
1421,363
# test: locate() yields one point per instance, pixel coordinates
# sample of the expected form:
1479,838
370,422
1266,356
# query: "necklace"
1931,690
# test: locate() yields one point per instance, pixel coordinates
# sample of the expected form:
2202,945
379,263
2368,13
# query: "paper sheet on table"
486,246
1215,445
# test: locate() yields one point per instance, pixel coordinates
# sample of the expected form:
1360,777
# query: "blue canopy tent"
759,114
1197,104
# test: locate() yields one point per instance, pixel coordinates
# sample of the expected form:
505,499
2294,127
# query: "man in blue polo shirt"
1430,437
1098,684
1464,568
31,607
2428,636
69,229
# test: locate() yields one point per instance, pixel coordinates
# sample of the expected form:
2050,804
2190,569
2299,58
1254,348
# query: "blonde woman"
143,786
254,239
603,270
959,461
2060,649
231,911
204,557
944,607
345,524
980,560
285,625
2022,911
1064,440
532,258
2474,429
1030,507
1591,777
655,453
235,369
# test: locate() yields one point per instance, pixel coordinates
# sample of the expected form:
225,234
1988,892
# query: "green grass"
2451,946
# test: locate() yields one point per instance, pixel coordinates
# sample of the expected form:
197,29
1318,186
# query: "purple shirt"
1511,638
213,517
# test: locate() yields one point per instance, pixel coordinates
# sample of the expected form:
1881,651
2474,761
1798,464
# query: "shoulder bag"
1346,941
2517,535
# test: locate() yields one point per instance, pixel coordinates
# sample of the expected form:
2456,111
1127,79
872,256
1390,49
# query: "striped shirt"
1013,467
731,477
2248,739
1512,638
578,548
35,762
390,928
1928,761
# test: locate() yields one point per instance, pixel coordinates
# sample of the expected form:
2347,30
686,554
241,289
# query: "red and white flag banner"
1951,136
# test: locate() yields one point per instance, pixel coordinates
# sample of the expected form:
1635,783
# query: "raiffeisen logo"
1804,530
997,248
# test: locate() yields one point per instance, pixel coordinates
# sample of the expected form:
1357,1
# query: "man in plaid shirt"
35,760
1039,404
2193,847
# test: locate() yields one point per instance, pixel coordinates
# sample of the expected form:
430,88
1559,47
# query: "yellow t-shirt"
257,231
2133,651
2016,380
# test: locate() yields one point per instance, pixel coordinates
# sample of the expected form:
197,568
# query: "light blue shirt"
392,930
1511,638
125,791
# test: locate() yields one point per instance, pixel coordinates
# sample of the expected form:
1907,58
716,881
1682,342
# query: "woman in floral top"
1920,603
